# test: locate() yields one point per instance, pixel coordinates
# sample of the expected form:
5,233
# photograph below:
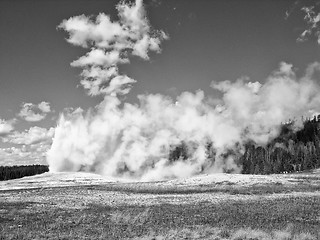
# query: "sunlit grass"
287,219
222,234
151,211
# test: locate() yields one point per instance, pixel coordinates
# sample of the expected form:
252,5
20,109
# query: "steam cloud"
135,141
111,43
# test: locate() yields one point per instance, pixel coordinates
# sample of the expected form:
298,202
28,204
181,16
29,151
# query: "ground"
216,206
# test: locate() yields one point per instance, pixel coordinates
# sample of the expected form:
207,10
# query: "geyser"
139,140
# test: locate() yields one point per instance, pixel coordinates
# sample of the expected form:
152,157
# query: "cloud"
31,136
98,57
34,112
111,43
6,127
44,107
27,147
312,18
24,154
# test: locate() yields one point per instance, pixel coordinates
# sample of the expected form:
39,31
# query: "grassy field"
149,211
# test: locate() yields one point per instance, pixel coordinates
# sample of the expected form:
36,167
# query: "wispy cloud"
292,8
34,112
312,18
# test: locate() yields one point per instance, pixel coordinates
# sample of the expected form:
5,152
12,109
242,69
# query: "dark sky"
209,40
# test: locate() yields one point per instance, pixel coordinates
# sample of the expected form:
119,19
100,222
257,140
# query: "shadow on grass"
145,188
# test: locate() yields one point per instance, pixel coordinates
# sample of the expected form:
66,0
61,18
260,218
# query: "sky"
204,41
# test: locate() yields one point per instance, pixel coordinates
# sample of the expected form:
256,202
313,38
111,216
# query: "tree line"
12,172
291,151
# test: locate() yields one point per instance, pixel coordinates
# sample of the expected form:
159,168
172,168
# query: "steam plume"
111,43
135,140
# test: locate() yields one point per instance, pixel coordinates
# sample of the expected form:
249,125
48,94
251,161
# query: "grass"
219,234
147,188
227,220
100,212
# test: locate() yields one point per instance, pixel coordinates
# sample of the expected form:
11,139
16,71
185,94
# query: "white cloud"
44,107
31,136
141,47
312,18
34,112
111,43
6,127
98,57
254,86
27,147
24,155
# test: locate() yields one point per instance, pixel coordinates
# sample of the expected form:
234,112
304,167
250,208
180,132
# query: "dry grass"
210,233
142,211
267,219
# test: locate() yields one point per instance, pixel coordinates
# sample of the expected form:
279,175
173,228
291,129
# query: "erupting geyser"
139,141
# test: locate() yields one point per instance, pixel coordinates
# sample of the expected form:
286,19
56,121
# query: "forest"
12,172
291,151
